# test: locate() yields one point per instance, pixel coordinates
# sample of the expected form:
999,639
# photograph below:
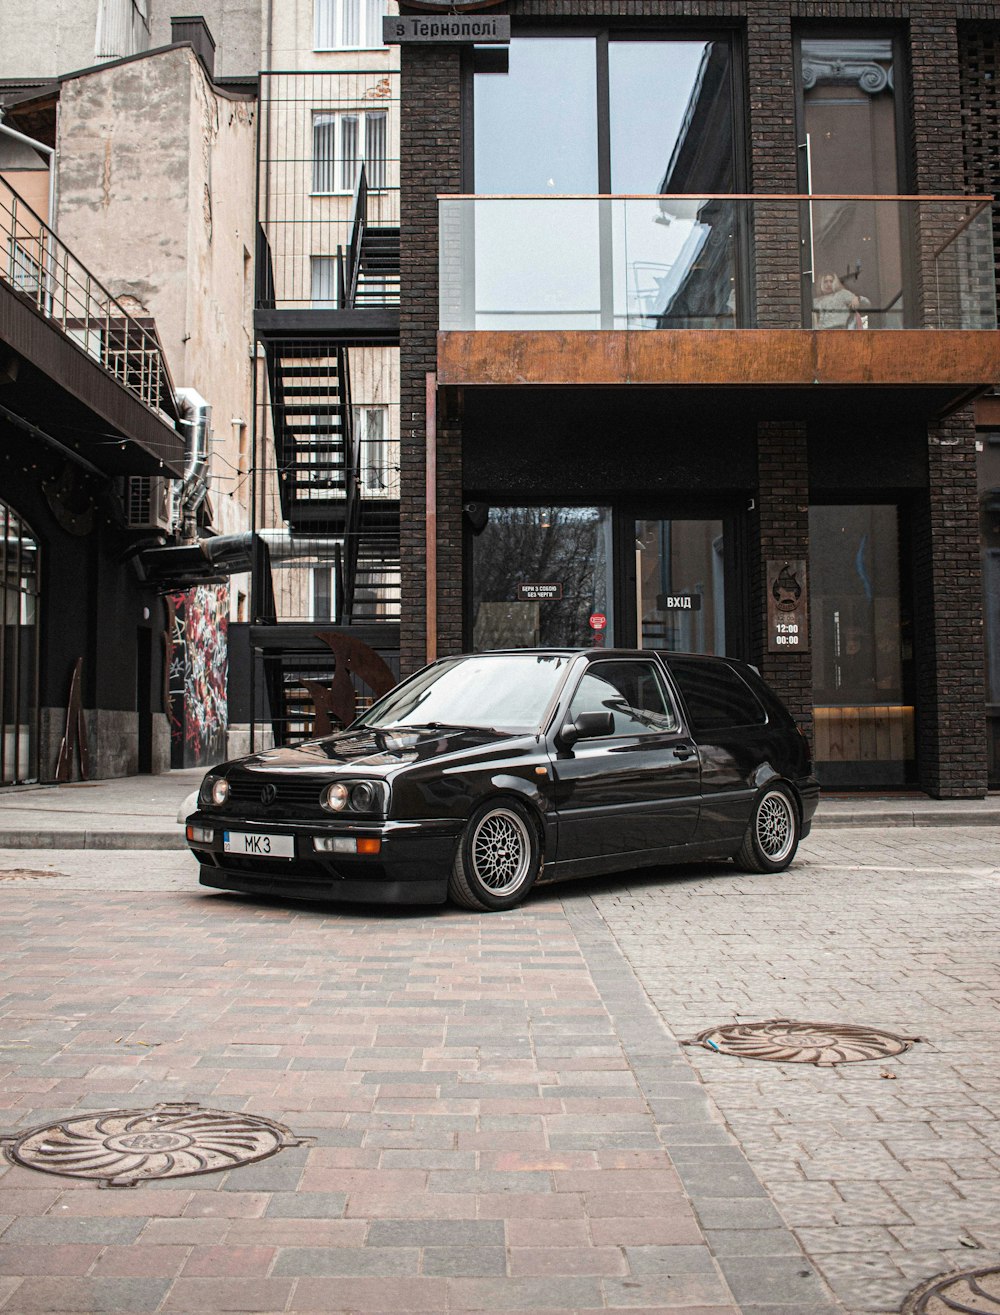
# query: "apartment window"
372,429
323,593
342,142
323,282
348,24
24,271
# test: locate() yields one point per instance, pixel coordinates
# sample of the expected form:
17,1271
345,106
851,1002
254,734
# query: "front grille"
294,799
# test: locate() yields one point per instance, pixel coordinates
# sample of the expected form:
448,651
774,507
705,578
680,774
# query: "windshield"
503,691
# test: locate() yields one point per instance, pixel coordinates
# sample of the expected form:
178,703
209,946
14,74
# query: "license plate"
258,845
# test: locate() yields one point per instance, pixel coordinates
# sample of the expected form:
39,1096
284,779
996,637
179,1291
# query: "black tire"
772,834
498,858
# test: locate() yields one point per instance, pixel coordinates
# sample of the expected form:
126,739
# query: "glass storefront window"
535,126
542,577
863,718
848,114
579,116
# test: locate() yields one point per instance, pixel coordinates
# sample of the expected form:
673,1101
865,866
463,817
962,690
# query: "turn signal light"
200,835
347,844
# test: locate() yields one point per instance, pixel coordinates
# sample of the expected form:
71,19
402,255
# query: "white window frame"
323,278
335,172
371,428
348,24
326,574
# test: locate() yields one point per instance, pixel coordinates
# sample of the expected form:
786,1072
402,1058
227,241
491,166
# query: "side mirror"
588,726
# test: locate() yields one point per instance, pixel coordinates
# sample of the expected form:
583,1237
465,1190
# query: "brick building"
697,320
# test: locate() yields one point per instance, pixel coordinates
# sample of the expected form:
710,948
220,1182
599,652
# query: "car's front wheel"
498,858
772,834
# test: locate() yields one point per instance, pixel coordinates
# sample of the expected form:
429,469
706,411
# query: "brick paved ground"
887,1172
501,1120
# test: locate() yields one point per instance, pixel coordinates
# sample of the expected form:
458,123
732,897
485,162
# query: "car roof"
595,654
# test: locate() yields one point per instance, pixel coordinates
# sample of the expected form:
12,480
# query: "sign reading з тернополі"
449,28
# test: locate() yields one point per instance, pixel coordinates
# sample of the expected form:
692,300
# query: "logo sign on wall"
447,21
787,607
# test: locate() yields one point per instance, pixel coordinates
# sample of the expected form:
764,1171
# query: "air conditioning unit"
147,502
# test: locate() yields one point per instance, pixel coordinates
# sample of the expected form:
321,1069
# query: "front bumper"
412,866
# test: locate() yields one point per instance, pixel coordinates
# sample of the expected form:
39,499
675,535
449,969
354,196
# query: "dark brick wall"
430,162
951,709
779,531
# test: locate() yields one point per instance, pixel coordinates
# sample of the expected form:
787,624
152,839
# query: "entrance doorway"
680,585
862,648
19,606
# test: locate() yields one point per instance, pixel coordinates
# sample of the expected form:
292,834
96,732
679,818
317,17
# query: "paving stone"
92,1296
464,1262
454,1233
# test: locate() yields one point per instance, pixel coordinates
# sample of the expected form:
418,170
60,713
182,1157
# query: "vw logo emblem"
268,794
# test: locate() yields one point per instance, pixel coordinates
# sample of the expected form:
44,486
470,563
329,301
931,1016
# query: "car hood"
376,751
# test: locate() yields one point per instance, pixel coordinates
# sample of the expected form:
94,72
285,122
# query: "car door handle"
684,751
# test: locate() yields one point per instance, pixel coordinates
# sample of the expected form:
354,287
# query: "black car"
486,773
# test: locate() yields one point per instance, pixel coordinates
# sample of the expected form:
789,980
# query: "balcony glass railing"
46,274
683,262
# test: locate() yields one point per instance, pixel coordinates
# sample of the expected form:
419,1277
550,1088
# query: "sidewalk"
140,812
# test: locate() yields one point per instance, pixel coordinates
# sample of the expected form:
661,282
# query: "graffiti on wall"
199,664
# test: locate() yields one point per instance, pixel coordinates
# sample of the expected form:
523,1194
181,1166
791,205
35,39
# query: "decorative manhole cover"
124,1147
787,1041
974,1292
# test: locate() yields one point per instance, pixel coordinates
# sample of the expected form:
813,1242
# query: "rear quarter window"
717,697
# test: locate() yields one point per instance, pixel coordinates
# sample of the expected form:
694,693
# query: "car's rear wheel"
772,834
498,858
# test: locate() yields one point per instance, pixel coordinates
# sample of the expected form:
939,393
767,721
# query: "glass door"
680,591
862,651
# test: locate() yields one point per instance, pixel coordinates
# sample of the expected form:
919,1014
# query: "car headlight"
355,797
214,792
335,797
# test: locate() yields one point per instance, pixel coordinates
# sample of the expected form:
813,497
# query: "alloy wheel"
501,851
775,826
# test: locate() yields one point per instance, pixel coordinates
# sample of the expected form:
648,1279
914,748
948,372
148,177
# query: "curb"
174,838
92,839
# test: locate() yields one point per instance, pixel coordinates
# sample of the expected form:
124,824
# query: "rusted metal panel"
736,358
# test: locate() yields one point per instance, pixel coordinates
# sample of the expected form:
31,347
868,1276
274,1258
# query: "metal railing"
43,272
318,131
692,262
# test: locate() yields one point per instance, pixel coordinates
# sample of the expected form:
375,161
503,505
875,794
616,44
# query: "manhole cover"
975,1292
125,1147
790,1042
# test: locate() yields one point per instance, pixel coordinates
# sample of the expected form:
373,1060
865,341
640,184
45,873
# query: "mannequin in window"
837,307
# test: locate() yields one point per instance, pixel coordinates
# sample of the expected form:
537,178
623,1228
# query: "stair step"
311,390
325,367
304,409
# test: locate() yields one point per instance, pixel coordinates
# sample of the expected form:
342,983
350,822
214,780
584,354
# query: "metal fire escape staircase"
318,452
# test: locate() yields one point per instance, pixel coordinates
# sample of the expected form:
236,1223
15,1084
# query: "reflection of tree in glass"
549,545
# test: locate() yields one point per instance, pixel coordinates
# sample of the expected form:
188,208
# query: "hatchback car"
485,774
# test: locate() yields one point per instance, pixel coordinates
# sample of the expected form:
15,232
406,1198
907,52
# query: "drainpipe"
46,150
195,422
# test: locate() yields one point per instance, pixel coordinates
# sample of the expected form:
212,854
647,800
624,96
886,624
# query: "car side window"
632,691
717,697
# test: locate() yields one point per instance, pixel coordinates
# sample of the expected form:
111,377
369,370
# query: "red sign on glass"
598,621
